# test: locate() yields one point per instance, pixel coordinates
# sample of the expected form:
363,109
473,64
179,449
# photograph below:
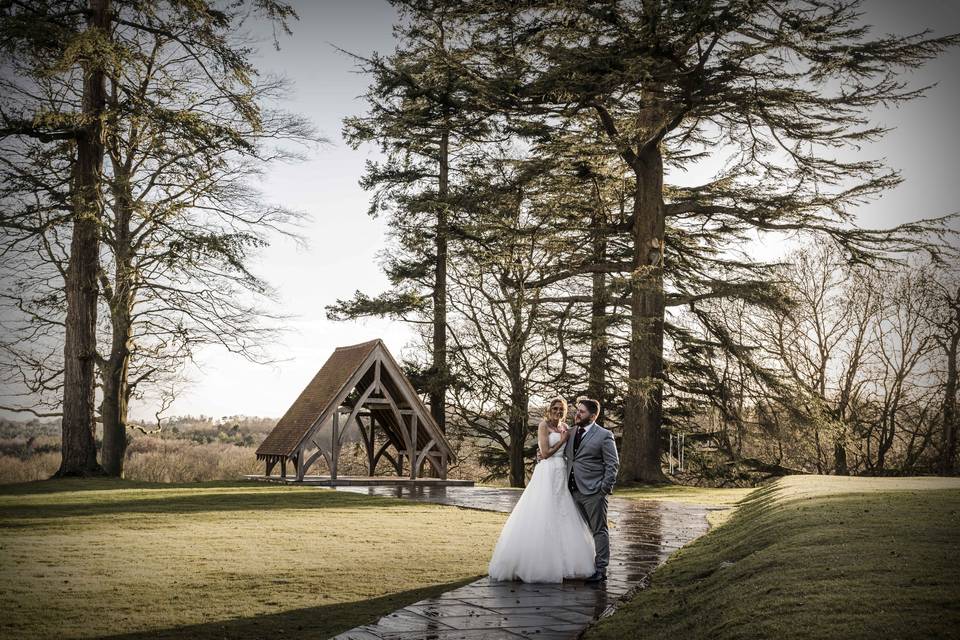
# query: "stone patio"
642,535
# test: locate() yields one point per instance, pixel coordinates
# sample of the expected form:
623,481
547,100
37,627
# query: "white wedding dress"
545,539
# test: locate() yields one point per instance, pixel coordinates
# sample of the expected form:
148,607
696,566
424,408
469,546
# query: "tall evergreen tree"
948,320
423,117
72,39
70,51
582,200
182,218
778,89
505,357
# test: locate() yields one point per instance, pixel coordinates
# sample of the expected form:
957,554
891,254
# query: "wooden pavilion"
359,395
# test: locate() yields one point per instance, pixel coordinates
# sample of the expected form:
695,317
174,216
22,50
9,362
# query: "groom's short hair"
592,405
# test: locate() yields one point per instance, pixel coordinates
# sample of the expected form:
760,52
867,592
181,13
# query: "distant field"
83,559
813,557
187,449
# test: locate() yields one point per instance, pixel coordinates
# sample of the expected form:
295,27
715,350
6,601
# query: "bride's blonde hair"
553,401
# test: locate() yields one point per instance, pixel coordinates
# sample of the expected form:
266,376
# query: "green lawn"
803,558
813,557
122,559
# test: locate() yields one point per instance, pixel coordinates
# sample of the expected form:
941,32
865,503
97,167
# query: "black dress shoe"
598,576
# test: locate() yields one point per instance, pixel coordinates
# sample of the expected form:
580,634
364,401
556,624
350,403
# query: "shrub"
166,460
35,467
148,458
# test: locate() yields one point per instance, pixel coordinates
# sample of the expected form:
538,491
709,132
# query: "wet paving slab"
643,534
483,498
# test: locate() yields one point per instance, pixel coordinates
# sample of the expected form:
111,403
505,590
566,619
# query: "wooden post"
373,442
413,447
335,445
283,467
299,465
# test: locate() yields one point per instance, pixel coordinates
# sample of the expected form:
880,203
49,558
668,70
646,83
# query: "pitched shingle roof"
315,399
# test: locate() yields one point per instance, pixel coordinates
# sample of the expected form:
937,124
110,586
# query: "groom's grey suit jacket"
596,463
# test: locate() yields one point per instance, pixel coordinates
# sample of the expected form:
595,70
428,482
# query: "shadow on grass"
312,622
60,485
115,499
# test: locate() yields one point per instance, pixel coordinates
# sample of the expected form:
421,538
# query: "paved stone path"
642,535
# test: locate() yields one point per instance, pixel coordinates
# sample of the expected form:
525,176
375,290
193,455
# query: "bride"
545,539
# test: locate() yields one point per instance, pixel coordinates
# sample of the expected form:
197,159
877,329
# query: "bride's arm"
543,439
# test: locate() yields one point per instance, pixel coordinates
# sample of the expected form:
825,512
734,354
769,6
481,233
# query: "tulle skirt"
545,539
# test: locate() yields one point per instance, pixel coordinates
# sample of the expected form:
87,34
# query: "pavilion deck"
361,481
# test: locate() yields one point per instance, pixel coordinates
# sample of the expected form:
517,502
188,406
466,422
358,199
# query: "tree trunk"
840,459
80,341
438,390
114,370
596,372
643,400
948,454
517,426
114,407
519,407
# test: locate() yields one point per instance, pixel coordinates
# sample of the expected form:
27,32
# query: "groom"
592,464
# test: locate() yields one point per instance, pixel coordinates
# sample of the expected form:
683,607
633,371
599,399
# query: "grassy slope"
813,558
97,558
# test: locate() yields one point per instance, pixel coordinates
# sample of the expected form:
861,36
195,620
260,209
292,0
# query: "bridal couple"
558,528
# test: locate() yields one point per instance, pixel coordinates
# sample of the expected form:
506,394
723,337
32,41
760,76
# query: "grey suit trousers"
594,510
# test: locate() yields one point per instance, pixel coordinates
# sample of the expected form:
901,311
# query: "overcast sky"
344,241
